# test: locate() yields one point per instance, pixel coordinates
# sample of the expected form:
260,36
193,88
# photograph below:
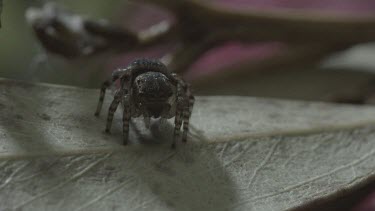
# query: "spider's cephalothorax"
153,94
148,89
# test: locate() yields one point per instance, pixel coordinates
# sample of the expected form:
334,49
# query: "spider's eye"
138,82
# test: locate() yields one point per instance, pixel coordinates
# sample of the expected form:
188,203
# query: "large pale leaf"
243,154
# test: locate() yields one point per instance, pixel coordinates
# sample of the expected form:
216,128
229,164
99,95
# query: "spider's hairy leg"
186,102
186,117
105,85
179,114
112,109
177,127
125,123
115,75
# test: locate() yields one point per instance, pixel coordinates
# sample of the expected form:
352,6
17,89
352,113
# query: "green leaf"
243,153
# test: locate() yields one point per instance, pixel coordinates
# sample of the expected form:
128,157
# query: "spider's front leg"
125,124
186,115
112,109
179,114
186,101
115,75
177,127
126,119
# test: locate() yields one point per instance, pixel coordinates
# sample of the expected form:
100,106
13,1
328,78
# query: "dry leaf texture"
243,154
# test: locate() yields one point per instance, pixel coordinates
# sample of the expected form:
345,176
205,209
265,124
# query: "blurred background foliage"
20,50
342,77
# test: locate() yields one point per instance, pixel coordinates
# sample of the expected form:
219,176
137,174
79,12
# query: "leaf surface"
243,153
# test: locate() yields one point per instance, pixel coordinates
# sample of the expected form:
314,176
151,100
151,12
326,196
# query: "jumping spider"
147,88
